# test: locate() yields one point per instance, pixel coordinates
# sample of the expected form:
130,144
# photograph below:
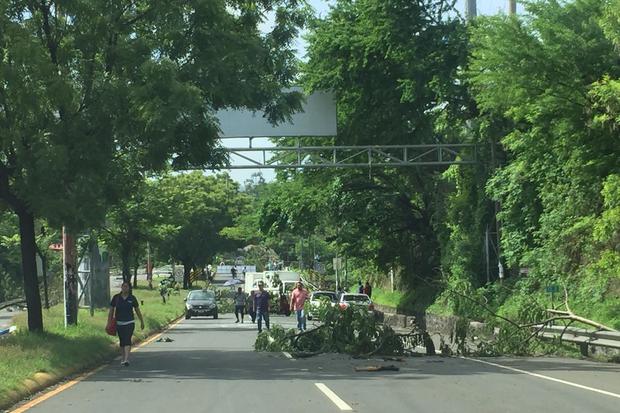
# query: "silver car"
200,303
356,300
317,297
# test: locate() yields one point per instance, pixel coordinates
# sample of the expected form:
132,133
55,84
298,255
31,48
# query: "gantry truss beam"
279,157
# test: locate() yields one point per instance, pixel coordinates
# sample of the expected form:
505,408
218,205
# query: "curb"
41,382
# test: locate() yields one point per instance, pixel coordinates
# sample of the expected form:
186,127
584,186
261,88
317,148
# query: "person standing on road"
261,306
298,299
122,308
239,304
368,289
360,287
233,272
250,305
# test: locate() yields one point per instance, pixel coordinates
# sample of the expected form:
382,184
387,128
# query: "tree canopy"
95,92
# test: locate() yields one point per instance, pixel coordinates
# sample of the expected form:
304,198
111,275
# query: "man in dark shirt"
261,306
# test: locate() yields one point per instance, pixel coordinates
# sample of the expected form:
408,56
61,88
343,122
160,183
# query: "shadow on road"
186,363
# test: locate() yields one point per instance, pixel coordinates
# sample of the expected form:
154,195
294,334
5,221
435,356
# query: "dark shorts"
124,334
239,309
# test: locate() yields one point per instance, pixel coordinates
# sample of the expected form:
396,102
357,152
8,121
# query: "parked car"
200,303
317,297
357,300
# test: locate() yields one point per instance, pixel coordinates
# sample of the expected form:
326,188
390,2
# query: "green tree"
93,91
392,65
552,75
130,224
194,209
537,73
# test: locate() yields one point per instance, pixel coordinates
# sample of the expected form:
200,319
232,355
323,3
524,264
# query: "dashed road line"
541,376
341,404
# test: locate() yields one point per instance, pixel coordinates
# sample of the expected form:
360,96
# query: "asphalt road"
211,367
6,317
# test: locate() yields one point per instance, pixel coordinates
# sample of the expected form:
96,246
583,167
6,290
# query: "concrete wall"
440,328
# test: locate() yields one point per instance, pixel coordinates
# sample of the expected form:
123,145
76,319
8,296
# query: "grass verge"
386,297
30,361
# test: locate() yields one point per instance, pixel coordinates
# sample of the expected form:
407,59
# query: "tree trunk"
70,263
187,269
125,263
135,276
29,268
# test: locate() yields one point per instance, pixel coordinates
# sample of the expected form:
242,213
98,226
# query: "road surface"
211,367
6,317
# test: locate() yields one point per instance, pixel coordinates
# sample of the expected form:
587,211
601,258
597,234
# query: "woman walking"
122,308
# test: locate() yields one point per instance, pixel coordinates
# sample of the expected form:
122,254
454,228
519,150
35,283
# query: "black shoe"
125,364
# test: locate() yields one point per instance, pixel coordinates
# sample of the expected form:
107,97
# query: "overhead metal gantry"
369,156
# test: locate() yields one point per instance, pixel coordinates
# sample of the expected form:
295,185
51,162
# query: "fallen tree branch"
296,337
569,315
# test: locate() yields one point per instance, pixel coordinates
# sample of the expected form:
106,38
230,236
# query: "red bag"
110,328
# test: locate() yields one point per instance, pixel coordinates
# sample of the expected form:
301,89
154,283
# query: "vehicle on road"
319,297
275,282
200,303
356,300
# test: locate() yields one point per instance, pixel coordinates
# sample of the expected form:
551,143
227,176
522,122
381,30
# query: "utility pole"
512,7
486,254
470,10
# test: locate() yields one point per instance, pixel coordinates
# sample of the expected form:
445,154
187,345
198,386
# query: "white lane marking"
540,376
287,355
333,397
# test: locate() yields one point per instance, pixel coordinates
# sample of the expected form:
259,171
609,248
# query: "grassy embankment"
30,361
599,303
386,297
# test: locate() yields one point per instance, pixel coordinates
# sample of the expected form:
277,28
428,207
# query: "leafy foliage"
550,74
350,331
193,209
96,93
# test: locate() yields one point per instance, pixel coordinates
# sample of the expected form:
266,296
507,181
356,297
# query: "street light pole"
470,9
512,7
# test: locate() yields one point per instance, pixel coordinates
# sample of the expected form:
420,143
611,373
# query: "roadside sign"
552,289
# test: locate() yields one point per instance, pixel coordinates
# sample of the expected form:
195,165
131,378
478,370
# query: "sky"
321,7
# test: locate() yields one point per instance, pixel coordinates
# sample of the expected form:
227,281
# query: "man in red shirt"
298,299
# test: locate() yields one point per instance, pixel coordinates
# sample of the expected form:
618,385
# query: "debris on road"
378,368
164,340
393,359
